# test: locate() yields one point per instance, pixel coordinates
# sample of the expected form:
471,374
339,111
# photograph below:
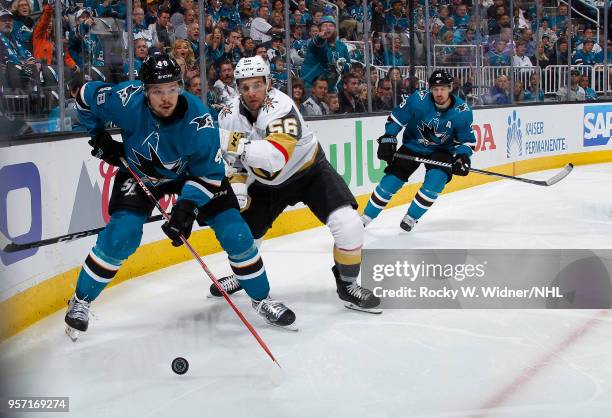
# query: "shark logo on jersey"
463,107
429,136
155,169
126,93
204,121
153,139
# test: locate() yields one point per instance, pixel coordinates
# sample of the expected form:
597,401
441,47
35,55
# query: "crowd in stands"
327,55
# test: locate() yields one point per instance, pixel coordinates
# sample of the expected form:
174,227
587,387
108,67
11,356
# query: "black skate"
77,317
229,283
275,313
358,298
408,223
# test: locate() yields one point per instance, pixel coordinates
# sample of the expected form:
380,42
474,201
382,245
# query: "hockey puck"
180,365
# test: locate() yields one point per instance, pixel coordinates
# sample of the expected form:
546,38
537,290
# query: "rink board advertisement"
55,188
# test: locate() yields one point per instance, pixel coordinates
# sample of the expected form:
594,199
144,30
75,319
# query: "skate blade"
72,333
290,327
360,309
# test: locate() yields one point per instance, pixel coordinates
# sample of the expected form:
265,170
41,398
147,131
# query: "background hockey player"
438,126
169,140
281,164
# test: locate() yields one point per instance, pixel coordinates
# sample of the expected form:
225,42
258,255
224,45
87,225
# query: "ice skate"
275,313
229,283
77,317
356,297
408,223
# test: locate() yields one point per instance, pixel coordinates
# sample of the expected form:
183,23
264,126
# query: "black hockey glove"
181,221
387,145
462,164
107,149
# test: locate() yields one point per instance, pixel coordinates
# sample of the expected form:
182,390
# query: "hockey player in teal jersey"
438,126
168,138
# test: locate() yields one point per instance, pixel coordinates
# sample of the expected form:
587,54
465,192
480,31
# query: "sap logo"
514,134
484,137
597,125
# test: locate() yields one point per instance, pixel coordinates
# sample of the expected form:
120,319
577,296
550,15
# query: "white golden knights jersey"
280,123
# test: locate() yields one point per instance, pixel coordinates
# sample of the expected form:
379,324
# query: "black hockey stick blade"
14,247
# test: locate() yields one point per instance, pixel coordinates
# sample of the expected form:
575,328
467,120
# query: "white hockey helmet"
252,67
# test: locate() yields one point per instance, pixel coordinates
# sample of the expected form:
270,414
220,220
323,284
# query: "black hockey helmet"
440,78
159,69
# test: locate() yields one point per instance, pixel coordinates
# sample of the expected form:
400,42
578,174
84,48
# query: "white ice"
403,363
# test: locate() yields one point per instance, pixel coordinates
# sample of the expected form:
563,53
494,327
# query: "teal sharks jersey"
184,147
428,130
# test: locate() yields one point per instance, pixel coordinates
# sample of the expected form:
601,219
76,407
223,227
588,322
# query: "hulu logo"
354,162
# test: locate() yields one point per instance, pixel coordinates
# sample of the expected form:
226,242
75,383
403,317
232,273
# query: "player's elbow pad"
264,155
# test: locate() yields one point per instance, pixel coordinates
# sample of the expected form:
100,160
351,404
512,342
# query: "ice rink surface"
403,363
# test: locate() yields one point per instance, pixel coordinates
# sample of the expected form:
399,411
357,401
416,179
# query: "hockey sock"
249,269
98,270
348,263
388,186
434,183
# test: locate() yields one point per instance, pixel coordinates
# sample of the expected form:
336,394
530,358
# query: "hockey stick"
13,247
201,262
553,180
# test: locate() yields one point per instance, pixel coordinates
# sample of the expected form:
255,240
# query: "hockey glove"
181,221
462,164
387,145
232,144
107,149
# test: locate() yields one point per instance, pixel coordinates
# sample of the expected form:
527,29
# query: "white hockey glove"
232,145
242,194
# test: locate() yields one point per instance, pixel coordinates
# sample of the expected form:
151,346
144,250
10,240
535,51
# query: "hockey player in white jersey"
279,163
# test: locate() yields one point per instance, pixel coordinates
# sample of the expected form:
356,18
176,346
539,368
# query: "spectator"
378,52
231,13
214,10
297,93
277,20
541,57
530,44
586,55
111,8
325,54
182,49
378,17
576,93
194,86
248,46
518,91
178,17
589,93
461,17
520,59
215,47
151,14
333,102
225,86
180,31
534,92
348,24
499,92
588,34
23,24
44,41
138,28
560,55
193,36
161,31
306,17
278,74
140,53
20,65
396,20
261,30
233,48
497,57
393,56
298,45
85,47
349,100
384,96
262,51
316,104
277,49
